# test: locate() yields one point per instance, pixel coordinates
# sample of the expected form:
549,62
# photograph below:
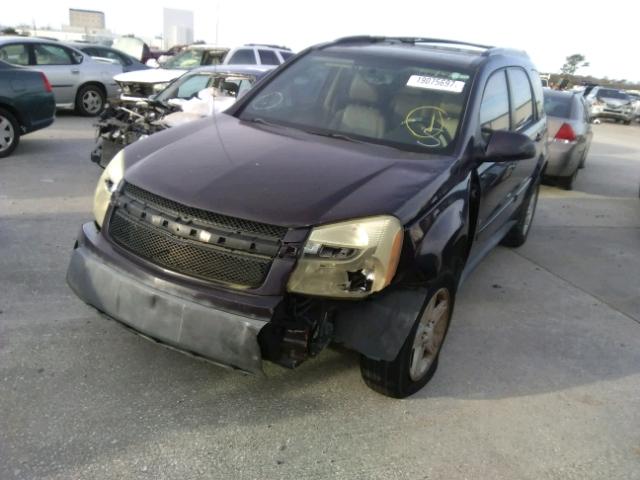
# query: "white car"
144,83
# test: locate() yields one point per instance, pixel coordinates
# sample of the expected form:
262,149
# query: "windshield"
393,101
187,59
223,84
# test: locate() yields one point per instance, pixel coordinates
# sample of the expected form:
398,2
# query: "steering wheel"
268,101
426,125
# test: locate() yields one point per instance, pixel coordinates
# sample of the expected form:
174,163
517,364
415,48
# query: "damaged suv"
343,199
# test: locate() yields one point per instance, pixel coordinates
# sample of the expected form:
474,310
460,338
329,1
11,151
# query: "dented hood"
281,176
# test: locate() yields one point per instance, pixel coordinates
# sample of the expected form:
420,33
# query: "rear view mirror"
505,146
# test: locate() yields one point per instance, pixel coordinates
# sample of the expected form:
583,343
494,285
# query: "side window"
244,56
16,54
51,55
494,110
285,55
245,86
521,98
268,57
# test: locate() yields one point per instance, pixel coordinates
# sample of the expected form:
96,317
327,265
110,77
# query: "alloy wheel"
430,334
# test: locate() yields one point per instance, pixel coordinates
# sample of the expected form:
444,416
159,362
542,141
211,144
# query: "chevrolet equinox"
343,199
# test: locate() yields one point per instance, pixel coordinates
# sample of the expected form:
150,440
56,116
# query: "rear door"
528,118
61,67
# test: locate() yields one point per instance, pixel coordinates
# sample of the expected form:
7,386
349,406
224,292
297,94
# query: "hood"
280,176
615,102
151,75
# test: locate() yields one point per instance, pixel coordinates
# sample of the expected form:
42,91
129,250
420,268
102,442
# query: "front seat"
360,116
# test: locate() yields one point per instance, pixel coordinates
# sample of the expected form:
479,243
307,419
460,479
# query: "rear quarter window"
521,98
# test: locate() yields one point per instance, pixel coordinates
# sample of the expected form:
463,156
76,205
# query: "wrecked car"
199,93
343,199
142,84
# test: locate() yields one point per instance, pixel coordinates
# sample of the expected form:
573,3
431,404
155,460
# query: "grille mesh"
224,222
187,257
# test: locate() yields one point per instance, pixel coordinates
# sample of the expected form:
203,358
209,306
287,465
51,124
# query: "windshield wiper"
339,136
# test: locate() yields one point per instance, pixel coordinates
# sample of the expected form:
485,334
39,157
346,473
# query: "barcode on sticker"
434,83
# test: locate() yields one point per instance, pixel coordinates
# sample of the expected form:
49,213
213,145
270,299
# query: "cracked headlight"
107,184
349,259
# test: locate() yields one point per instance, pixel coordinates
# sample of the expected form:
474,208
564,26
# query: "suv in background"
343,199
610,103
78,81
143,84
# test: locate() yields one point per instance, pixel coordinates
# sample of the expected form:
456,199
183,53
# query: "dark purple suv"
343,199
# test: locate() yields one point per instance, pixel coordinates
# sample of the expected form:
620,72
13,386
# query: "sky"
548,30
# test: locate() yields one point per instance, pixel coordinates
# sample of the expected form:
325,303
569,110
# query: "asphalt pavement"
539,378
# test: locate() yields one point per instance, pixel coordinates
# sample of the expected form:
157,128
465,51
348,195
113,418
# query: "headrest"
361,91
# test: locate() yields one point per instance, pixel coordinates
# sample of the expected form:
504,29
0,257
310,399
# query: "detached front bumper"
198,328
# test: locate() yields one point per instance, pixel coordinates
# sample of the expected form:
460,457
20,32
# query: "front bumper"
197,327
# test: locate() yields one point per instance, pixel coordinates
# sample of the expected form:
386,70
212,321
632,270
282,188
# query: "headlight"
107,184
158,87
349,259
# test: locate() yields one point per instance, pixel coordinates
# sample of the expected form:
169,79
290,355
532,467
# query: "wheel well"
13,112
97,84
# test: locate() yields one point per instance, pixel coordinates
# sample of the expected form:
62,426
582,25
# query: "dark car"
570,135
128,63
343,199
26,104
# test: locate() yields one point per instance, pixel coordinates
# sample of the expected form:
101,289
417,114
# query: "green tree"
9,31
573,63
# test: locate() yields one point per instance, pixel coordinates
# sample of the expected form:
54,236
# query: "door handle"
538,137
75,71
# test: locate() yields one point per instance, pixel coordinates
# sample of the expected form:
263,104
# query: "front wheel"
9,133
520,231
417,360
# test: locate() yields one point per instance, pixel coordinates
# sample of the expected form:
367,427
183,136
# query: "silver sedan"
78,81
569,135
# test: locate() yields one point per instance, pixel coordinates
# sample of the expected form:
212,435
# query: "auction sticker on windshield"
434,83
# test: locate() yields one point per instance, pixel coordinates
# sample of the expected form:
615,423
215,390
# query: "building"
87,19
178,27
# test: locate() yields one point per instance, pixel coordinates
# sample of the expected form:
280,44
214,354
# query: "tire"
520,231
9,133
627,122
90,101
408,373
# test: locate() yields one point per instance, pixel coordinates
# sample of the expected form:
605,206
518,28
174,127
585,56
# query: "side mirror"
507,146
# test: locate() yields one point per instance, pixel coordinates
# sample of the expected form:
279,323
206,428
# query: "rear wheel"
417,360
520,231
90,101
627,122
9,133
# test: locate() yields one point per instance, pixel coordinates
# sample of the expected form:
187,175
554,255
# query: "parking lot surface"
539,378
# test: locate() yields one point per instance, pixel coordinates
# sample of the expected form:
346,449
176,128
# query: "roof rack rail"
266,45
489,50
414,40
